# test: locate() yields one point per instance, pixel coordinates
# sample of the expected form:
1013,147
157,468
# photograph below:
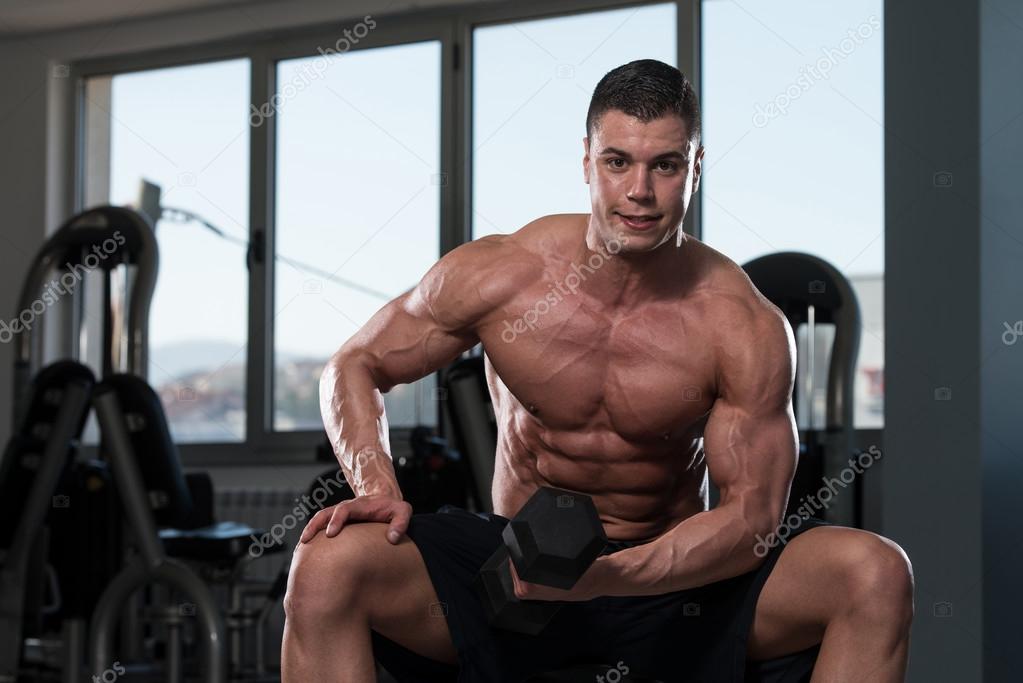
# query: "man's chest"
642,373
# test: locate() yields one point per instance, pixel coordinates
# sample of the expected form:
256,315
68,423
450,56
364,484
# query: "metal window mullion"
258,361
452,220
461,137
451,223
688,44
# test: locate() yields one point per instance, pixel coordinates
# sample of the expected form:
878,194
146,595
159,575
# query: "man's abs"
641,490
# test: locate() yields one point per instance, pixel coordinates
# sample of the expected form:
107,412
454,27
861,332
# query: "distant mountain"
202,387
178,359
181,358
205,399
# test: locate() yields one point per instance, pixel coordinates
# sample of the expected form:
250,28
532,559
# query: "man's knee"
880,581
329,576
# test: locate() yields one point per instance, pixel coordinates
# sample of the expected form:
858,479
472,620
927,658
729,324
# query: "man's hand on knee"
392,511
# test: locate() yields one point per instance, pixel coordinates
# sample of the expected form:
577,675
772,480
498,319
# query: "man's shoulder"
727,288
738,312
480,276
529,238
540,234
518,255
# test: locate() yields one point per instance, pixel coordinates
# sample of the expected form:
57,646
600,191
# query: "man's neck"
626,278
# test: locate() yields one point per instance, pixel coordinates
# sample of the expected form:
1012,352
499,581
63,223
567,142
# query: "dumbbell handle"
505,610
523,545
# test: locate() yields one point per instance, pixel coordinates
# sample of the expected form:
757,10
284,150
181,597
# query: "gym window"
792,110
276,151
149,125
357,212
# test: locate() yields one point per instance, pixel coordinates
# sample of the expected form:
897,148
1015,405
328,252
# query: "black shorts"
695,635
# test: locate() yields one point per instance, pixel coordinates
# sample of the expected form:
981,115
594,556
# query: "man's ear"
697,169
586,160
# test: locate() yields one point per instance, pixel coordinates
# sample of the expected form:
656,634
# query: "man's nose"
641,188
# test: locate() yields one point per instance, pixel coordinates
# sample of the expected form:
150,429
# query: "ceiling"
31,16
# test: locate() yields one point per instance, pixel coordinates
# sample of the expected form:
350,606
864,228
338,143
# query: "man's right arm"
417,333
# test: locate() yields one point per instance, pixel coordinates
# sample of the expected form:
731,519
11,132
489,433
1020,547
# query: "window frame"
453,28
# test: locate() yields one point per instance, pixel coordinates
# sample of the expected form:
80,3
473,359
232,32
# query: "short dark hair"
646,89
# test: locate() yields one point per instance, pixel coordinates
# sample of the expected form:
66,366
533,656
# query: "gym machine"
174,541
810,291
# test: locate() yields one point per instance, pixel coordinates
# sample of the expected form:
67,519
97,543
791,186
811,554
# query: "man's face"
641,177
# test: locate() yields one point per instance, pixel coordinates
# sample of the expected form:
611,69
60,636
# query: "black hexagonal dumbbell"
553,540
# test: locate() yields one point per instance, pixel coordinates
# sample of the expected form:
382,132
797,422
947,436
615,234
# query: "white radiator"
267,509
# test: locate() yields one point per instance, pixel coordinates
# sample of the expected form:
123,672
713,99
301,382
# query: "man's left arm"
750,443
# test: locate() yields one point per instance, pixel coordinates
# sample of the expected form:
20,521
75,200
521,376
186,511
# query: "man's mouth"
639,221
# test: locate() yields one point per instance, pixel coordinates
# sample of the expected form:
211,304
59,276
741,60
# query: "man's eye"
616,163
667,166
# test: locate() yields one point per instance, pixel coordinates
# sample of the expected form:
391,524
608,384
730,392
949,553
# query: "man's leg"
847,589
339,588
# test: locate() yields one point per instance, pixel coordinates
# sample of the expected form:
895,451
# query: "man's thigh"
393,588
808,587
